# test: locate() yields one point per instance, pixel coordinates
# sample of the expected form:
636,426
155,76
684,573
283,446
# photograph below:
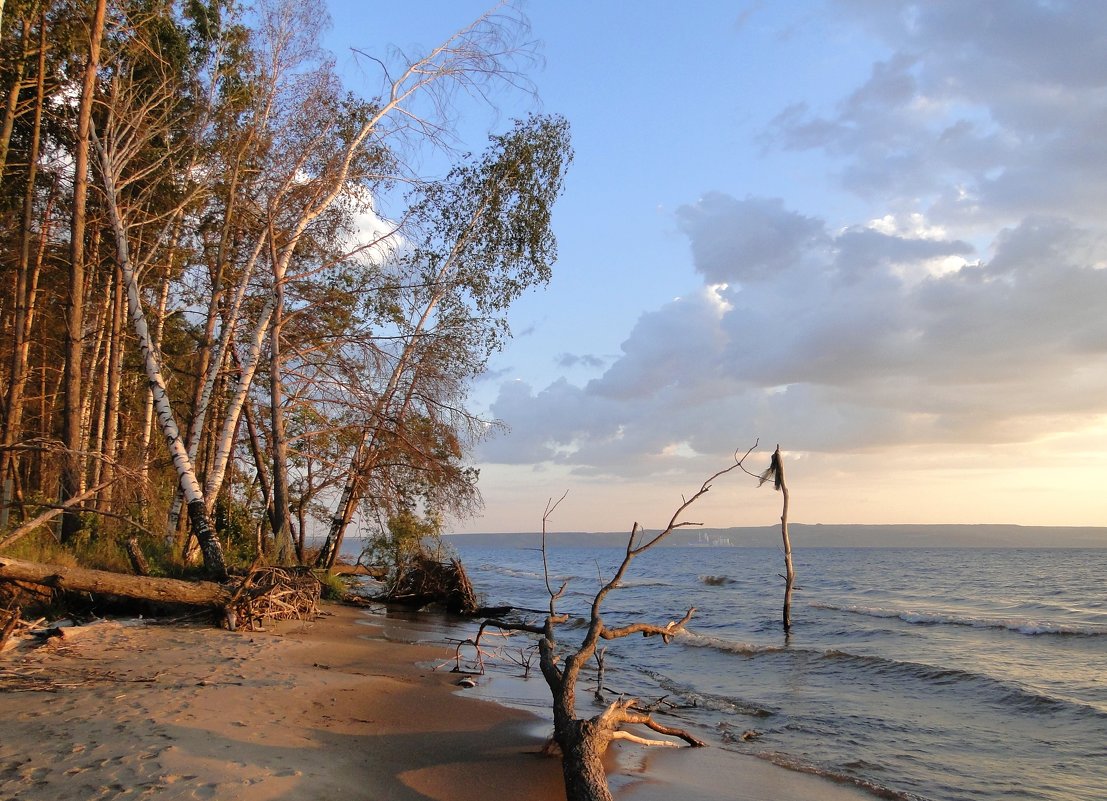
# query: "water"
934,674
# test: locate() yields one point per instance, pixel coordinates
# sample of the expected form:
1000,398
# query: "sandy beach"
323,710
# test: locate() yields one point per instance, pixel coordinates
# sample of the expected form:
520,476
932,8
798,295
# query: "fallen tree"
105,582
265,593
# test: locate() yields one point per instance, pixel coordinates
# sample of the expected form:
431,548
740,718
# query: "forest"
238,315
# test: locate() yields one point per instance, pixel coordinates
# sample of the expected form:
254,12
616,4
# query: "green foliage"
236,524
407,537
223,126
333,586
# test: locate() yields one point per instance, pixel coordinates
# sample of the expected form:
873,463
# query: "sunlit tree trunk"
11,107
26,284
278,444
148,406
113,390
72,469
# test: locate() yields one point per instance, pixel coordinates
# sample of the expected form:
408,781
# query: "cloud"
966,310
580,360
759,236
988,111
854,343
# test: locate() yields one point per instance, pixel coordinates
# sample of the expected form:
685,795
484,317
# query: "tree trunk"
72,468
583,744
113,388
26,284
247,368
148,409
186,475
282,531
164,590
12,105
789,570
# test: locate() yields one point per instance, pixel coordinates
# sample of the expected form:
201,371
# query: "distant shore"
328,709
820,535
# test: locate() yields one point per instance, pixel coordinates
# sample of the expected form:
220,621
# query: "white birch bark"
190,487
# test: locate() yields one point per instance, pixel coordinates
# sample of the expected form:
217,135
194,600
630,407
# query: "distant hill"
806,535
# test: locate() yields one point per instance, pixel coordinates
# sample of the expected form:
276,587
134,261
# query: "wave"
489,567
924,618
1000,693
704,700
838,777
697,640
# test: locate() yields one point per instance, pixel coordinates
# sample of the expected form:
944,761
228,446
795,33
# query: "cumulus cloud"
968,309
840,351
988,110
745,240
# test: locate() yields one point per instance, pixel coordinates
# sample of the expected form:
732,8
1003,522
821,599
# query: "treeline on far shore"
988,535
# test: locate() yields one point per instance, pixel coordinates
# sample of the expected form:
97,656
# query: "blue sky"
871,231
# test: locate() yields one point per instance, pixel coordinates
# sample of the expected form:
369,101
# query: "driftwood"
427,580
161,590
584,740
266,593
14,617
775,473
274,593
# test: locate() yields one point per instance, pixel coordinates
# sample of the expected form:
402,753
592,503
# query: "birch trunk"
355,476
210,546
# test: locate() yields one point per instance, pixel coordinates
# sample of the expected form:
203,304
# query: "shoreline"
326,709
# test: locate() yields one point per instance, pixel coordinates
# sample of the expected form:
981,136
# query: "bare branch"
666,632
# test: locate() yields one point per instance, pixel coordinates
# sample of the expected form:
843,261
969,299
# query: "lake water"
934,674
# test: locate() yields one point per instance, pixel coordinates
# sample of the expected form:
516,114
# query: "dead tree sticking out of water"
775,473
583,741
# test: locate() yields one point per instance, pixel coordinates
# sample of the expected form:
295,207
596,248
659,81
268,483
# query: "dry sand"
305,711
170,712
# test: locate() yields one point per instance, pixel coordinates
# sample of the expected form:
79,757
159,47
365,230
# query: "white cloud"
966,308
834,350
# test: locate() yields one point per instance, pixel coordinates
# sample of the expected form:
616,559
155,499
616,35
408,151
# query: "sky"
873,232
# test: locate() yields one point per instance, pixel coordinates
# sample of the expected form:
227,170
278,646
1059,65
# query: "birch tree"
485,238
116,155
232,168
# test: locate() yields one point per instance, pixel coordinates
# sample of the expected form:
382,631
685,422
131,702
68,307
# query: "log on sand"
163,590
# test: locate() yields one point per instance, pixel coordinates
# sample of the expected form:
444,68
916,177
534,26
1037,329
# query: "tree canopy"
224,285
